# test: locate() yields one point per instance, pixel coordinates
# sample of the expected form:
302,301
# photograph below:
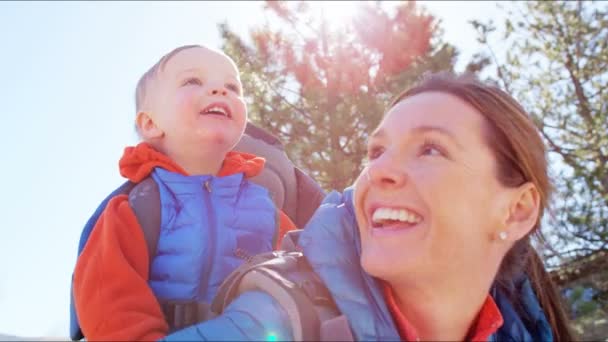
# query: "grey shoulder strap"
296,193
144,199
309,197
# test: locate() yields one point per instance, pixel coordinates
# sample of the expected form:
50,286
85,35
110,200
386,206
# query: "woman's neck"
443,311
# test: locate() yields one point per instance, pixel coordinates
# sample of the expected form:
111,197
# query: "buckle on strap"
181,314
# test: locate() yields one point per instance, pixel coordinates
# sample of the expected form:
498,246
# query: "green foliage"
322,87
556,64
580,304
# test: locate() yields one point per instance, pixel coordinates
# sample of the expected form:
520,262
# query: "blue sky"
68,75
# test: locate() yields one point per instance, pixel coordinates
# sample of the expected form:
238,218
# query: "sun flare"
336,12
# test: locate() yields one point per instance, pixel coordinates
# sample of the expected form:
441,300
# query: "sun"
337,13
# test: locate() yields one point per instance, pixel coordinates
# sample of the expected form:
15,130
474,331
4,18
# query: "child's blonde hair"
144,81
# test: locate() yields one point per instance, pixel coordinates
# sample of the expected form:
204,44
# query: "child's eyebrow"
185,71
189,70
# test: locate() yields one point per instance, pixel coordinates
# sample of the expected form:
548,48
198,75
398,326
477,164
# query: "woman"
434,241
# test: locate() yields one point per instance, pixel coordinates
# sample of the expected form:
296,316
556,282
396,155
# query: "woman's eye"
431,149
374,152
193,81
233,87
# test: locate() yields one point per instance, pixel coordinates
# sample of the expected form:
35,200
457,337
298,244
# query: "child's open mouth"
217,108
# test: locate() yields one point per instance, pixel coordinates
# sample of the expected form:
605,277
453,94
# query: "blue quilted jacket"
331,245
206,223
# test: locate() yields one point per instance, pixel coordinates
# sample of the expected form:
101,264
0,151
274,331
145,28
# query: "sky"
68,72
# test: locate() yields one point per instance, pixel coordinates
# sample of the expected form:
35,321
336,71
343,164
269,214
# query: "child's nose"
216,87
218,91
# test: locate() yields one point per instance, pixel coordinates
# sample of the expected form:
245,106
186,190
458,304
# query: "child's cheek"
241,107
188,100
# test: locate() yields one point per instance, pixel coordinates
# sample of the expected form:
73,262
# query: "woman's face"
429,202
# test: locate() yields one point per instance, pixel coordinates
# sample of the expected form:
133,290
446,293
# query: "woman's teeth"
382,215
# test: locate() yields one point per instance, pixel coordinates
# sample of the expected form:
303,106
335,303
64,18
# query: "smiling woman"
432,242
467,163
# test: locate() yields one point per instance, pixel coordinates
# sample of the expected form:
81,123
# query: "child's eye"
374,152
431,149
233,87
193,81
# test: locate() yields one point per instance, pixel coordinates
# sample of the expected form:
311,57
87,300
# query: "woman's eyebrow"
419,130
436,129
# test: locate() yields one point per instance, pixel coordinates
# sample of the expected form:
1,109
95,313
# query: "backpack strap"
258,274
336,329
297,194
290,241
123,189
144,200
311,311
309,197
225,293
300,309
182,314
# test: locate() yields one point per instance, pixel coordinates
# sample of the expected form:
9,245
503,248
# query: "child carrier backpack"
288,278
292,191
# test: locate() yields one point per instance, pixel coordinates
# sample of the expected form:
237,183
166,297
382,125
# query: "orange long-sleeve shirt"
110,286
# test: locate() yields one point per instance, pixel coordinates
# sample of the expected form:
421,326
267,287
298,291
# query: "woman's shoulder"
330,243
332,225
526,321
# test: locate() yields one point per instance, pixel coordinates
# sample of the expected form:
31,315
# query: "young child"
190,114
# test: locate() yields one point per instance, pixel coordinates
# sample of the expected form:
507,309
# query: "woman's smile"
389,219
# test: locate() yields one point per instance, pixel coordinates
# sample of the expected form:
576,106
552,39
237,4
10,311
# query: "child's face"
196,101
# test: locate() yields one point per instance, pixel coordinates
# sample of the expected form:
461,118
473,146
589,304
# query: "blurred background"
319,75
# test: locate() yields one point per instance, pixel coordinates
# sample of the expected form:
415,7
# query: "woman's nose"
386,171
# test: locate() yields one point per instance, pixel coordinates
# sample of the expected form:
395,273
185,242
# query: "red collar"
138,162
488,321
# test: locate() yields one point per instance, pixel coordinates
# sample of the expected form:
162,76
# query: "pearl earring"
502,235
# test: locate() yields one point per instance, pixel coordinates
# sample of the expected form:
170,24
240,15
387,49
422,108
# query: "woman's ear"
524,209
147,127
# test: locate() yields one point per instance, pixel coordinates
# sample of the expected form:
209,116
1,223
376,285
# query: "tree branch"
284,100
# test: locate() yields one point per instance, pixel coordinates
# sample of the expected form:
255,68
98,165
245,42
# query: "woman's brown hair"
521,157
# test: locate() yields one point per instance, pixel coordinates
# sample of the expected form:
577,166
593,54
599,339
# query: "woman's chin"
385,263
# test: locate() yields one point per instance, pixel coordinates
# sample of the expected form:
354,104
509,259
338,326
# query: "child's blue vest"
208,225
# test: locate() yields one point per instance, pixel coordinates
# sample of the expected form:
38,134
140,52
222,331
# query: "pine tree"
321,88
557,66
